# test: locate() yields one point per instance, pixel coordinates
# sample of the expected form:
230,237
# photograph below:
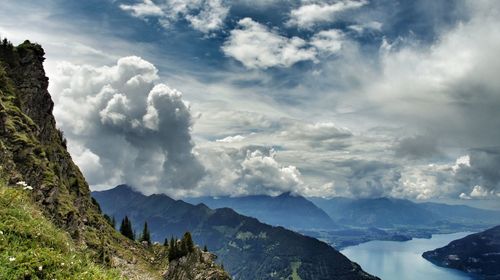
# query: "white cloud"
328,41
257,46
210,18
462,161
145,9
308,15
362,27
205,16
231,139
247,171
479,192
317,132
117,119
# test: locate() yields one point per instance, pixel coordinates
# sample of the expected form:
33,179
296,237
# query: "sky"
355,98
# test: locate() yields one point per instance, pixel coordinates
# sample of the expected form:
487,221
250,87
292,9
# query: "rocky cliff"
197,265
33,152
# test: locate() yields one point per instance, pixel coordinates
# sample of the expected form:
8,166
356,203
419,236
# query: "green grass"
31,247
295,268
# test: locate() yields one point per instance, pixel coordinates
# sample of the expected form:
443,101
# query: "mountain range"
287,210
394,213
248,248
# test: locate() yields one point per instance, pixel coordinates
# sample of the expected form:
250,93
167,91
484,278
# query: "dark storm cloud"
421,146
480,173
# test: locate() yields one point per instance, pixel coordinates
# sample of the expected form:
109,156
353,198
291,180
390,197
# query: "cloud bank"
124,127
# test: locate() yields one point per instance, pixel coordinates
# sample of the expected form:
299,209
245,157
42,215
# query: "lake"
392,260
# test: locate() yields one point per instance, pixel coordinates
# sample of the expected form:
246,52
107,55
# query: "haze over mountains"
248,248
297,212
287,210
391,212
354,221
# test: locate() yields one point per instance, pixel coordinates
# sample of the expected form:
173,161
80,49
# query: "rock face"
197,265
477,253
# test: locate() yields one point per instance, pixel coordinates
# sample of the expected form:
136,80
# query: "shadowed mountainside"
248,248
477,254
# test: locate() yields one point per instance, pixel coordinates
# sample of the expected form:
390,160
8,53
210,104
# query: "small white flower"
11,259
40,268
22,183
62,264
1,232
28,188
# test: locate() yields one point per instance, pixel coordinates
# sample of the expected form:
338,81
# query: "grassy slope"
31,246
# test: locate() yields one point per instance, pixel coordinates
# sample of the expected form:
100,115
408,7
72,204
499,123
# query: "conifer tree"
126,228
145,236
187,240
172,250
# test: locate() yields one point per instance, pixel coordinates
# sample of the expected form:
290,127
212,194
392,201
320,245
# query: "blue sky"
360,98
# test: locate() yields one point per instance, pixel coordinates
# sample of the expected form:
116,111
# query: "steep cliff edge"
33,153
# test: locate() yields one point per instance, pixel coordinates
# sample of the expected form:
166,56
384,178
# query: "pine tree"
187,240
113,222
172,250
205,249
145,236
126,228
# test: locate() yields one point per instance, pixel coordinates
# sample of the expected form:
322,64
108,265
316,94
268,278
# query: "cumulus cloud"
477,173
248,170
311,14
257,46
124,127
205,16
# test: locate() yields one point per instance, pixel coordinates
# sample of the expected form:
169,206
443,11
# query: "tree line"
178,248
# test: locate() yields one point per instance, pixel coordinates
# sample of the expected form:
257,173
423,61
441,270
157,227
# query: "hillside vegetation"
31,246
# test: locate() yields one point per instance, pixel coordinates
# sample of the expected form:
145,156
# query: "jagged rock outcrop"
197,265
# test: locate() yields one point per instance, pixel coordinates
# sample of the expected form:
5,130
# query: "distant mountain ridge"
287,210
248,248
477,253
392,212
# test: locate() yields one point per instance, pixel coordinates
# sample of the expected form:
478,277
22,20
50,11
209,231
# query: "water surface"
392,260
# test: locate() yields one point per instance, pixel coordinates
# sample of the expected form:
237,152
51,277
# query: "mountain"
248,248
378,212
462,214
477,254
287,210
50,227
393,213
